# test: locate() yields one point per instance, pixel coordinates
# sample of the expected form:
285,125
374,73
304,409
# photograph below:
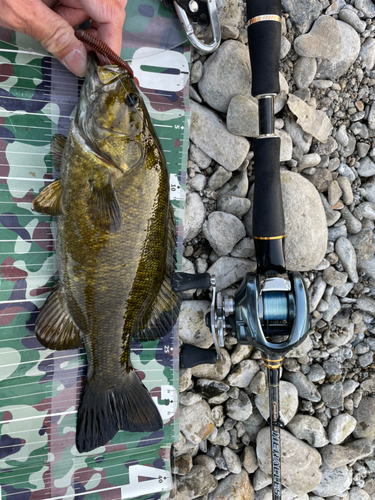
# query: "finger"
74,16
55,34
109,19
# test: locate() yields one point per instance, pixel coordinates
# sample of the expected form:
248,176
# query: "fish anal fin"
126,405
54,328
164,310
104,207
57,148
49,200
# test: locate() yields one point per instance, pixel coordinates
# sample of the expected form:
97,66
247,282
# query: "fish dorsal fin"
49,200
55,328
163,312
57,148
104,207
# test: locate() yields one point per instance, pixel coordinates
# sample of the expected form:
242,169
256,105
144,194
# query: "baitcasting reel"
269,312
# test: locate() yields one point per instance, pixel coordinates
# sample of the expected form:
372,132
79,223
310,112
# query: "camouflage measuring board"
39,388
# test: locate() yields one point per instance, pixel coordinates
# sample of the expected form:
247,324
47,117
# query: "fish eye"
132,100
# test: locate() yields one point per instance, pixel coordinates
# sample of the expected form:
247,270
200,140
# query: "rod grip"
268,212
264,46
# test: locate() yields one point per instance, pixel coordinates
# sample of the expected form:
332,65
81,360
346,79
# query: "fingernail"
76,62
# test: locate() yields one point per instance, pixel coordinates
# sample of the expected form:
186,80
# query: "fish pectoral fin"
164,310
104,208
55,328
125,405
49,200
57,148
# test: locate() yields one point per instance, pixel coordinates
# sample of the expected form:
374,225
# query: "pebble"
223,231
226,73
219,178
196,430
206,461
366,167
249,459
229,270
233,487
334,67
340,428
312,121
232,460
334,481
240,408
369,188
346,189
242,375
335,456
288,402
333,277
316,292
306,389
353,225
363,244
303,18
332,395
242,117
365,210
350,17
258,383
196,483
195,214
192,327
346,253
244,249
366,304
358,494
209,134
233,205
300,471
304,72
334,192
309,429
324,41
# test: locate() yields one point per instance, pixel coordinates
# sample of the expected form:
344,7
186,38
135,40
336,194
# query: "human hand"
51,23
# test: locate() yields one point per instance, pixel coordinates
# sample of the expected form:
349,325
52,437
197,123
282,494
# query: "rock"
223,231
197,156
321,178
253,424
334,306
288,402
249,459
238,185
365,6
358,494
233,487
333,277
196,430
365,416
233,205
198,182
302,14
232,460
332,216
226,73
196,483
366,167
366,359
258,383
369,188
182,464
244,249
334,481
192,326
299,462
368,266
243,373
312,121
346,254
241,352
206,461
242,117
347,193
365,210
316,292
336,66
366,304
239,409
341,427
310,429
363,244
209,134
305,388
229,270
195,213
219,178
304,71
334,192
337,455
332,395
333,370
184,379
323,41
305,226
316,373
218,371
286,145
353,224
301,350
350,17
196,71
211,388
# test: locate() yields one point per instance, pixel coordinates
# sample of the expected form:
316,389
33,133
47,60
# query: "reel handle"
264,34
186,281
191,356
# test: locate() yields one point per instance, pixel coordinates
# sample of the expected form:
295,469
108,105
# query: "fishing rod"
270,309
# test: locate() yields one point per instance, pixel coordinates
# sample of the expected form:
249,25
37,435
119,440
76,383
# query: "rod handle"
264,33
268,212
191,356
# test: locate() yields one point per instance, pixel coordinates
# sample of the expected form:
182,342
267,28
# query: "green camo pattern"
40,388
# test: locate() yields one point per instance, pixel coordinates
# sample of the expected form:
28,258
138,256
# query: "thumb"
57,37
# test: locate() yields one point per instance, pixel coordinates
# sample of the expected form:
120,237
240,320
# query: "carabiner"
214,21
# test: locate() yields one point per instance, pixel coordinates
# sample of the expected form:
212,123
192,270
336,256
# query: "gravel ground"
325,117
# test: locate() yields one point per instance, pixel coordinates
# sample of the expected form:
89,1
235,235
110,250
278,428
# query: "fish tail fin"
102,412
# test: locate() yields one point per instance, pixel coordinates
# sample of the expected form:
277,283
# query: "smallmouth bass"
115,252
